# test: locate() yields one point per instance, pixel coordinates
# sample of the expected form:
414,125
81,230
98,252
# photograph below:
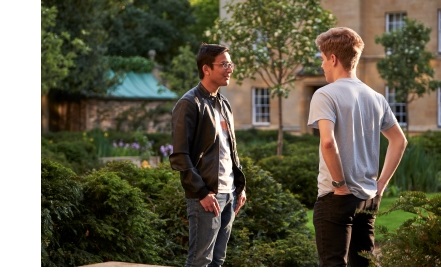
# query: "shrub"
164,196
61,197
118,223
298,173
79,155
258,152
170,205
271,218
416,243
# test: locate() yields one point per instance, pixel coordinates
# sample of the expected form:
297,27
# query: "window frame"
439,107
439,31
261,106
394,20
398,108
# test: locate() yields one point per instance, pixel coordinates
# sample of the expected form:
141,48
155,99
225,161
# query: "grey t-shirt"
359,114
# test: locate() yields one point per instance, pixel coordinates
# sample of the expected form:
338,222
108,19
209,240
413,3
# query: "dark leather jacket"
196,145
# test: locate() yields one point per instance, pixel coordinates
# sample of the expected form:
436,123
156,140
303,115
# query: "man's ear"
334,59
206,69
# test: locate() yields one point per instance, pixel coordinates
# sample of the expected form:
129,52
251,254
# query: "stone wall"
85,114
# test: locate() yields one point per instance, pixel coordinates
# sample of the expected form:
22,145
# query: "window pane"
439,31
394,21
439,107
261,106
398,108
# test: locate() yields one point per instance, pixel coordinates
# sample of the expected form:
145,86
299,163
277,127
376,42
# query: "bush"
104,218
164,195
297,173
118,223
170,205
79,155
297,170
119,212
61,197
416,243
270,229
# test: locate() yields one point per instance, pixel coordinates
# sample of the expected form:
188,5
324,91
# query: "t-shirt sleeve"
389,118
322,107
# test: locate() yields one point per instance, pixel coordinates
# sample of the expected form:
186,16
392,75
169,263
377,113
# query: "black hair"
207,54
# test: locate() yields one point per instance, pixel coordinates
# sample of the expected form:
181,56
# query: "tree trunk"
280,133
44,113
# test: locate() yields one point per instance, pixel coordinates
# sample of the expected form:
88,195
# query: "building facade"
254,108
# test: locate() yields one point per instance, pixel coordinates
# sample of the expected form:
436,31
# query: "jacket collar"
205,93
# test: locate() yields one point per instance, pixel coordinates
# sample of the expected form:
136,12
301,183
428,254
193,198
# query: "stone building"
370,18
139,102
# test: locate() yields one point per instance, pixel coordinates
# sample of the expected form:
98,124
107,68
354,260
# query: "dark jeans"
344,226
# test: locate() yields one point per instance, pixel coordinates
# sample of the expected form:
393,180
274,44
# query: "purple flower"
136,146
166,150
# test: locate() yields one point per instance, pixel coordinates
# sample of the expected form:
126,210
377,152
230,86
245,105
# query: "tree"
182,74
144,25
54,63
83,22
406,67
206,13
273,40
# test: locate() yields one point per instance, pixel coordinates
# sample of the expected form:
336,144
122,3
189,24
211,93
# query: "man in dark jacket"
205,154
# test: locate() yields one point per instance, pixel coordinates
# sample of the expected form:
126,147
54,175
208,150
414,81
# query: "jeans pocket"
215,222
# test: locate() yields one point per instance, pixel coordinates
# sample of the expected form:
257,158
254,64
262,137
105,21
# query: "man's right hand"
210,204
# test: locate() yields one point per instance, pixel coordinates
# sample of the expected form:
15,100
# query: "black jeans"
344,226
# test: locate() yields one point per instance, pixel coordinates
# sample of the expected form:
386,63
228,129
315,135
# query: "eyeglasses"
226,65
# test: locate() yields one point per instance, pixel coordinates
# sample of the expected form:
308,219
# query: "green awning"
141,86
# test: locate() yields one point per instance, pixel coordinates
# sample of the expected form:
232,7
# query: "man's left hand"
240,202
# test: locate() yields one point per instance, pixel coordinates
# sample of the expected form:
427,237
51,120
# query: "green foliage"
271,228
272,40
54,63
79,155
165,197
116,143
256,144
253,136
83,22
416,241
419,170
259,144
61,197
137,117
119,212
142,26
420,167
297,173
170,205
296,169
259,151
206,12
127,64
406,67
182,74
118,223
120,66
430,141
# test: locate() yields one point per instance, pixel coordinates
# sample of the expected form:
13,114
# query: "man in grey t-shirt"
350,117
